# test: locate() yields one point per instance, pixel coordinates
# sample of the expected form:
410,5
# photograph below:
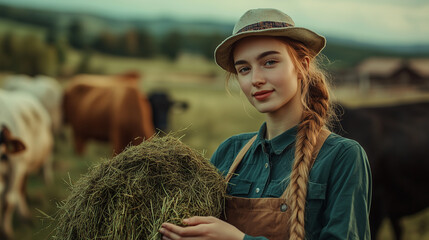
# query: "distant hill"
61,19
394,48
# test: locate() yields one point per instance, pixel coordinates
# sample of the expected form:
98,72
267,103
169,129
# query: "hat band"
264,25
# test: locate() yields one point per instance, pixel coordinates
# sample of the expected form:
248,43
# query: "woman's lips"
262,95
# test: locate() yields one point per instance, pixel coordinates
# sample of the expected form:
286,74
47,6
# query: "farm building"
378,71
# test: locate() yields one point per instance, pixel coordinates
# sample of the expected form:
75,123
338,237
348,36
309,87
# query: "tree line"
140,42
35,53
46,53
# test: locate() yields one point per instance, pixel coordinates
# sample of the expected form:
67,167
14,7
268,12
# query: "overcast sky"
389,21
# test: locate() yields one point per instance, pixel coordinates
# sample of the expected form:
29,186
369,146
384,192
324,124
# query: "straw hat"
266,22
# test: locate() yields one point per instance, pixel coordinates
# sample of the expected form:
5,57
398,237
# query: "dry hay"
131,195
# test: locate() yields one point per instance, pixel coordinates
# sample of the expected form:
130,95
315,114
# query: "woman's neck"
282,120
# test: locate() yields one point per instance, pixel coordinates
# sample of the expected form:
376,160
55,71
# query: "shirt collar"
280,142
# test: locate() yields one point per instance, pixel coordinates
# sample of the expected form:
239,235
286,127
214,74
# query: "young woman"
293,179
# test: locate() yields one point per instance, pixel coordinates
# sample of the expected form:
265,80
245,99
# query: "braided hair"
316,115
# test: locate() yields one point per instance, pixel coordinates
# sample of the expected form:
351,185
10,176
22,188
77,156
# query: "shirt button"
257,190
266,165
283,207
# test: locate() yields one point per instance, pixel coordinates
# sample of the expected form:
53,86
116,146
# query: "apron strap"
323,135
240,156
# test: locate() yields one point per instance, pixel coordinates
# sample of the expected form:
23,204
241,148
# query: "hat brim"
312,40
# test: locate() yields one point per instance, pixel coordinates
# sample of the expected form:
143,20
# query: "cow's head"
9,145
161,104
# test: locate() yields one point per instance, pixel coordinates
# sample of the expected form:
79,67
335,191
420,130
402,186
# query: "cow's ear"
13,145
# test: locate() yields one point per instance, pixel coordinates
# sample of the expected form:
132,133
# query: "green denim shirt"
339,188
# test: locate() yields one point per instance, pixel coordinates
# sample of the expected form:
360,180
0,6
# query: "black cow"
396,139
161,104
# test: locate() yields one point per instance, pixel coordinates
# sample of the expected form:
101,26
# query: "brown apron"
266,217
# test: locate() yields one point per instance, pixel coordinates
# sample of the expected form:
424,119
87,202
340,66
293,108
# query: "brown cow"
23,122
107,108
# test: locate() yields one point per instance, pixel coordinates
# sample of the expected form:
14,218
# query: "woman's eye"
243,69
270,62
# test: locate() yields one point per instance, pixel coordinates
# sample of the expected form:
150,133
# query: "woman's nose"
258,78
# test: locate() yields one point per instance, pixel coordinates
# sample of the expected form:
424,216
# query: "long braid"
315,99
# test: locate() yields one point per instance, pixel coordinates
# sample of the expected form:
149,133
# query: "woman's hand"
201,228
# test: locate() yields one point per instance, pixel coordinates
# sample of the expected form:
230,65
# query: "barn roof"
386,66
420,65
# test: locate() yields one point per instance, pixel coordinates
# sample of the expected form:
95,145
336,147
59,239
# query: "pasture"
213,115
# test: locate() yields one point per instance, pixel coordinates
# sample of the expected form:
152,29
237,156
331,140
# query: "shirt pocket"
239,187
314,209
275,189
315,197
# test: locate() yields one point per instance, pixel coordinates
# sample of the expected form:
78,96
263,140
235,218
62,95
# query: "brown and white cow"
46,89
107,108
23,122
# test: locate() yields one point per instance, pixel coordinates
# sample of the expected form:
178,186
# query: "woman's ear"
306,62
305,65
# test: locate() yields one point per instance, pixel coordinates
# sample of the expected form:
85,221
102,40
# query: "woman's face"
267,75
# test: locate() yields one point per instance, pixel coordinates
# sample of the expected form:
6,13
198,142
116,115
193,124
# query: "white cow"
26,143
46,89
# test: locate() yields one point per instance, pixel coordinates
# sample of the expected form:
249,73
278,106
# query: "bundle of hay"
131,195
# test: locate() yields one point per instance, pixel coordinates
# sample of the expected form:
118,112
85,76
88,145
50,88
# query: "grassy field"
213,115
